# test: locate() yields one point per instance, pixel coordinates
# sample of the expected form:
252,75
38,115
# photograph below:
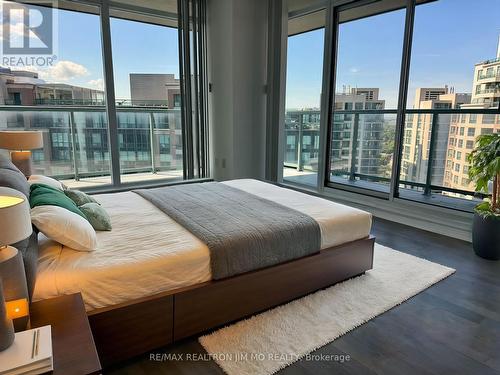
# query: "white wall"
237,38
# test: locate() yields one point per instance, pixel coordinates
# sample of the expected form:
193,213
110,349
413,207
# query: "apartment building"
21,87
466,127
76,142
417,135
302,138
349,155
155,90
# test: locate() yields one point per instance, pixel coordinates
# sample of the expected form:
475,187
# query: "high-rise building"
357,140
466,127
155,90
417,135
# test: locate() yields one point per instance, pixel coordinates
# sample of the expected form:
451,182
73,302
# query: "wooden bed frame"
136,327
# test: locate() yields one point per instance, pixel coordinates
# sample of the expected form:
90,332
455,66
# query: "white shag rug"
274,339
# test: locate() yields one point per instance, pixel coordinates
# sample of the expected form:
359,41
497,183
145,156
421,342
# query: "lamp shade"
15,219
21,140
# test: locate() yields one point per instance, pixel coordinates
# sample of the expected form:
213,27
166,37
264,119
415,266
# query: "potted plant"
484,170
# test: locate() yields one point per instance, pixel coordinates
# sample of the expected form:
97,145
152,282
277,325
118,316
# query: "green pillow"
44,195
97,216
79,197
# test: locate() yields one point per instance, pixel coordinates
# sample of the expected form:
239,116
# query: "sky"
137,48
450,36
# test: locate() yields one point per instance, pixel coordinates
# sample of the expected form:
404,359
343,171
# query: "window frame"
191,23
324,186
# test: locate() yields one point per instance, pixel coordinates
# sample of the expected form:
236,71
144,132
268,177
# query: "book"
29,354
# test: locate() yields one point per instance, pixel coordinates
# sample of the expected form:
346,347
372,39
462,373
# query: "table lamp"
15,224
20,143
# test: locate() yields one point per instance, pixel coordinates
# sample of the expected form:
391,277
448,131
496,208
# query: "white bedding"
147,252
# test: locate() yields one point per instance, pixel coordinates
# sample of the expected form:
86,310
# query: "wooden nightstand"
72,342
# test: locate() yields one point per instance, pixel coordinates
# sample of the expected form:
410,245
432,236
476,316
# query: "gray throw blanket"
242,231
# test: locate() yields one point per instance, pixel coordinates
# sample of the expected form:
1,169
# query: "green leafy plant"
484,167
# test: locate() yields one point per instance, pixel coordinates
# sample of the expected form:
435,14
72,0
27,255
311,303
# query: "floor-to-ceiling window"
365,100
303,100
103,82
147,91
60,93
453,83
410,86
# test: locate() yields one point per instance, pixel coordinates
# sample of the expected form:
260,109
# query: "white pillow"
65,227
39,179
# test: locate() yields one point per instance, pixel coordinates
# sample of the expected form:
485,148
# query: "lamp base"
6,327
14,282
22,160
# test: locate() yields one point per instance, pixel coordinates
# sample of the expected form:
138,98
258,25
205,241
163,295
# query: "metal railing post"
354,147
151,141
300,161
73,144
430,156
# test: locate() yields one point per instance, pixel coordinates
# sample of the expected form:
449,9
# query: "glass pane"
450,59
303,101
75,144
362,150
147,91
367,84
472,81
366,66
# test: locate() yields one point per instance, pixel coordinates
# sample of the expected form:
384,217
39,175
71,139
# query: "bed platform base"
136,327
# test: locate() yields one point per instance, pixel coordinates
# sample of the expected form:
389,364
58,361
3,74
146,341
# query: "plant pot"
486,236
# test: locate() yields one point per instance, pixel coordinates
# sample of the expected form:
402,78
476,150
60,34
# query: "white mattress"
148,253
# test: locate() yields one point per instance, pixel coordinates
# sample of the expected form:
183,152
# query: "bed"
166,259
171,294
150,281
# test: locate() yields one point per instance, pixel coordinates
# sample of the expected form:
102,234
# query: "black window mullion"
110,94
331,48
403,93
185,78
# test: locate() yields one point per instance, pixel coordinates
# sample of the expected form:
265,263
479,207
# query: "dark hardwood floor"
451,328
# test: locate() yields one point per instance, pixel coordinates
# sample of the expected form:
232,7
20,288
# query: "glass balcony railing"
75,102
433,164
76,145
494,90
94,102
490,75
362,147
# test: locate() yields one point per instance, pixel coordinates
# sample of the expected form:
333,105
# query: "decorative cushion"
79,197
12,177
65,227
39,179
96,215
43,195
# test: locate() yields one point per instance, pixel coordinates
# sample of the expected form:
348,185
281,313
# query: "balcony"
494,90
76,144
72,102
362,154
489,76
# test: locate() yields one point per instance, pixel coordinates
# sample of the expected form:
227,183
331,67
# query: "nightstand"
73,346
